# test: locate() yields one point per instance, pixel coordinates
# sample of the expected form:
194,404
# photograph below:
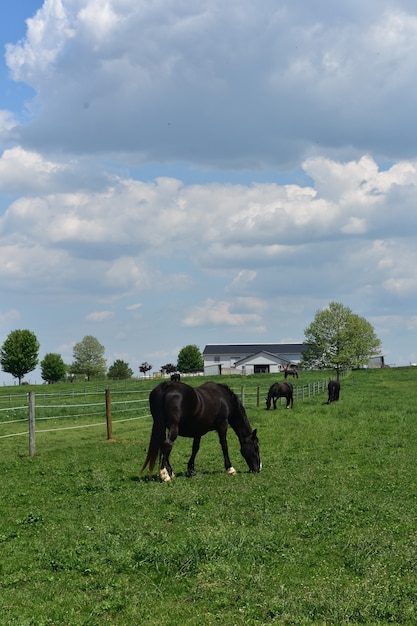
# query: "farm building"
251,358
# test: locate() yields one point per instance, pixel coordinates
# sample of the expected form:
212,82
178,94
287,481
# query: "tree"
89,358
190,359
19,353
339,339
169,368
120,370
53,368
145,367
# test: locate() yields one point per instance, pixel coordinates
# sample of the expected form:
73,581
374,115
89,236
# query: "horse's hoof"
231,471
164,474
191,473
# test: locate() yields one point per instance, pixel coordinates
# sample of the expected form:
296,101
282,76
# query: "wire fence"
39,412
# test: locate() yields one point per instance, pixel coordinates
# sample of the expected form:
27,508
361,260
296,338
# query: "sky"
177,172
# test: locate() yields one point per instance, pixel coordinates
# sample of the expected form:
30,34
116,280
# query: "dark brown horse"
280,390
178,409
334,391
290,371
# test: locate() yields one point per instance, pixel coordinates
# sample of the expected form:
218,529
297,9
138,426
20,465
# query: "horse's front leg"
166,472
274,400
196,446
222,432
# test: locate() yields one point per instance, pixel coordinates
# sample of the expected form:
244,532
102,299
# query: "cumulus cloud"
99,316
126,230
222,313
244,85
8,316
232,167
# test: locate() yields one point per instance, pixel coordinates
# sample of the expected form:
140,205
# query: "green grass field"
325,534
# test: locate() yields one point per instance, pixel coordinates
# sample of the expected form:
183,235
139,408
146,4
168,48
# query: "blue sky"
175,173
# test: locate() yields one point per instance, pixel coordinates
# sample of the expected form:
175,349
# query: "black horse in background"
179,409
334,391
176,377
280,390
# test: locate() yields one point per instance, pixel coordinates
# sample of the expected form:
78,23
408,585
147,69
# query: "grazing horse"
176,377
334,390
290,372
280,390
179,409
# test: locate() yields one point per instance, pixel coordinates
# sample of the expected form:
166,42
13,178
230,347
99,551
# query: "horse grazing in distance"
280,390
176,377
179,409
334,390
290,371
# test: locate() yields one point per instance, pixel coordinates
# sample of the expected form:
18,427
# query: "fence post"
108,416
31,417
242,395
258,395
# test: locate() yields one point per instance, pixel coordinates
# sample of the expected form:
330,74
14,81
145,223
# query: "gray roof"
270,355
244,349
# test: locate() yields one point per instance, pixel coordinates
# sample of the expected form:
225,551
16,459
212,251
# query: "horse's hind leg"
196,446
166,472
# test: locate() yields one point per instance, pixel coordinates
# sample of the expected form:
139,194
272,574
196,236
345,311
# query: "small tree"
89,358
169,368
120,370
339,339
19,353
53,368
145,367
190,359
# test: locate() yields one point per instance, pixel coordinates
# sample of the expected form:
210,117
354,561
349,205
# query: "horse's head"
268,402
249,448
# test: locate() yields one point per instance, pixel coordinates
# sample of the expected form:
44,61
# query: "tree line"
336,339
19,355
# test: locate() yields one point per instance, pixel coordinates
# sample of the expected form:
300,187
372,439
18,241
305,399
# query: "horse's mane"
237,417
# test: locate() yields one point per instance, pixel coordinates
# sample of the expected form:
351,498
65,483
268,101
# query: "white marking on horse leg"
165,477
231,471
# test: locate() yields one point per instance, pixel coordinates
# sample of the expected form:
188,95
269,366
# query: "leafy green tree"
339,339
120,370
89,358
190,359
53,368
19,353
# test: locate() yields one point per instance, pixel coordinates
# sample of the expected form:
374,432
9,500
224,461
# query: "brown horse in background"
290,371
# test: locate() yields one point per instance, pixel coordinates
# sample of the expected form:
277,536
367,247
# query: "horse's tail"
156,402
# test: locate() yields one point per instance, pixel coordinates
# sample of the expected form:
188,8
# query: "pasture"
325,534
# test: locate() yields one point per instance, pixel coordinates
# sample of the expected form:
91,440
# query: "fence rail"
108,410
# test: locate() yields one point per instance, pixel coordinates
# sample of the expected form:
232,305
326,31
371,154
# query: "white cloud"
222,313
22,170
219,83
190,171
9,316
99,316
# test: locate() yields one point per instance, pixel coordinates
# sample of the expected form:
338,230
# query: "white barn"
251,358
